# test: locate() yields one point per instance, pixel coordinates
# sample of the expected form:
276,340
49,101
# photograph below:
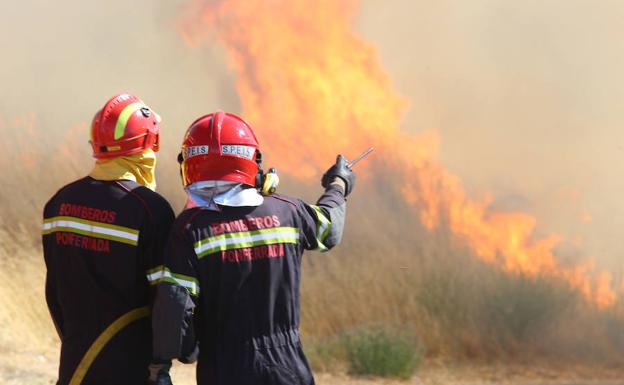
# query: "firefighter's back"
249,261
231,275
100,238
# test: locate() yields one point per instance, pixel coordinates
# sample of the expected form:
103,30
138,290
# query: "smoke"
61,62
526,98
318,88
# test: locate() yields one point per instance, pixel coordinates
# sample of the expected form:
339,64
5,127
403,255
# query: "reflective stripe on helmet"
246,152
243,239
125,115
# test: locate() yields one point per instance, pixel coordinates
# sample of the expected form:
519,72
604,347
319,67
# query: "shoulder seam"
56,194
68,186
145,205
283,199
190,218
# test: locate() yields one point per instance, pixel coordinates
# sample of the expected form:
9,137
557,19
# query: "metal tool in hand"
362,155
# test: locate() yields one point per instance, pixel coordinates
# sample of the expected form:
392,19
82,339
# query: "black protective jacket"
237,271
101,241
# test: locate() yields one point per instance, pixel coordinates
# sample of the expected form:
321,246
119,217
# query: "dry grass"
28,341
456,305
388,271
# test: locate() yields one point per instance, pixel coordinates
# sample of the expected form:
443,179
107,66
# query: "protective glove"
159,374
340,170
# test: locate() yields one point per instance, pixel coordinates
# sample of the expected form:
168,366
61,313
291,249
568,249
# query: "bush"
325,354
521,307
382,352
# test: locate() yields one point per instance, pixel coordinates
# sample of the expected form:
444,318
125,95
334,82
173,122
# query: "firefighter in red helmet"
103,237
229,288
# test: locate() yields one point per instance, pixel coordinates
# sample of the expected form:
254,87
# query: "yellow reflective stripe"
91,228
243,239
157,275
154,270
322,228
93,223
125,115
153,275
103,339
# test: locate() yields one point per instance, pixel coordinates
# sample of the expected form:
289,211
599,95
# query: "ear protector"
270,182
265,183
260,173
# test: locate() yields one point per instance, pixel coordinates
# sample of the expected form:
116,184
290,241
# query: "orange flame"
312,89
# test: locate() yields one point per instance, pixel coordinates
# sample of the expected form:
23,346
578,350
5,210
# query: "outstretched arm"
323,223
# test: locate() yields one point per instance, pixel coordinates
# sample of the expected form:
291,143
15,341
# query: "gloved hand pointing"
340,170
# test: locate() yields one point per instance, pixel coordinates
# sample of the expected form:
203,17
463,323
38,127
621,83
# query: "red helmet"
124,126
220,146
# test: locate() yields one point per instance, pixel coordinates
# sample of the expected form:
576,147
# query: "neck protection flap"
214,193
138,167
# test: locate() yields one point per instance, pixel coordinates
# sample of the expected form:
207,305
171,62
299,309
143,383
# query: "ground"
32,366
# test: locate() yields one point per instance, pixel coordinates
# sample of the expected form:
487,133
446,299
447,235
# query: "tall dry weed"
388,271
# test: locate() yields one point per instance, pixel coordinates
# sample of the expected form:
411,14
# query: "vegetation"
389,271
381,352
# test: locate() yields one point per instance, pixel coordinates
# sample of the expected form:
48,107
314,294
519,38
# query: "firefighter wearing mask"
103,238
229,293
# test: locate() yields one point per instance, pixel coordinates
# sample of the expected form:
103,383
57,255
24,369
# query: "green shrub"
521,307
382,352
325,354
